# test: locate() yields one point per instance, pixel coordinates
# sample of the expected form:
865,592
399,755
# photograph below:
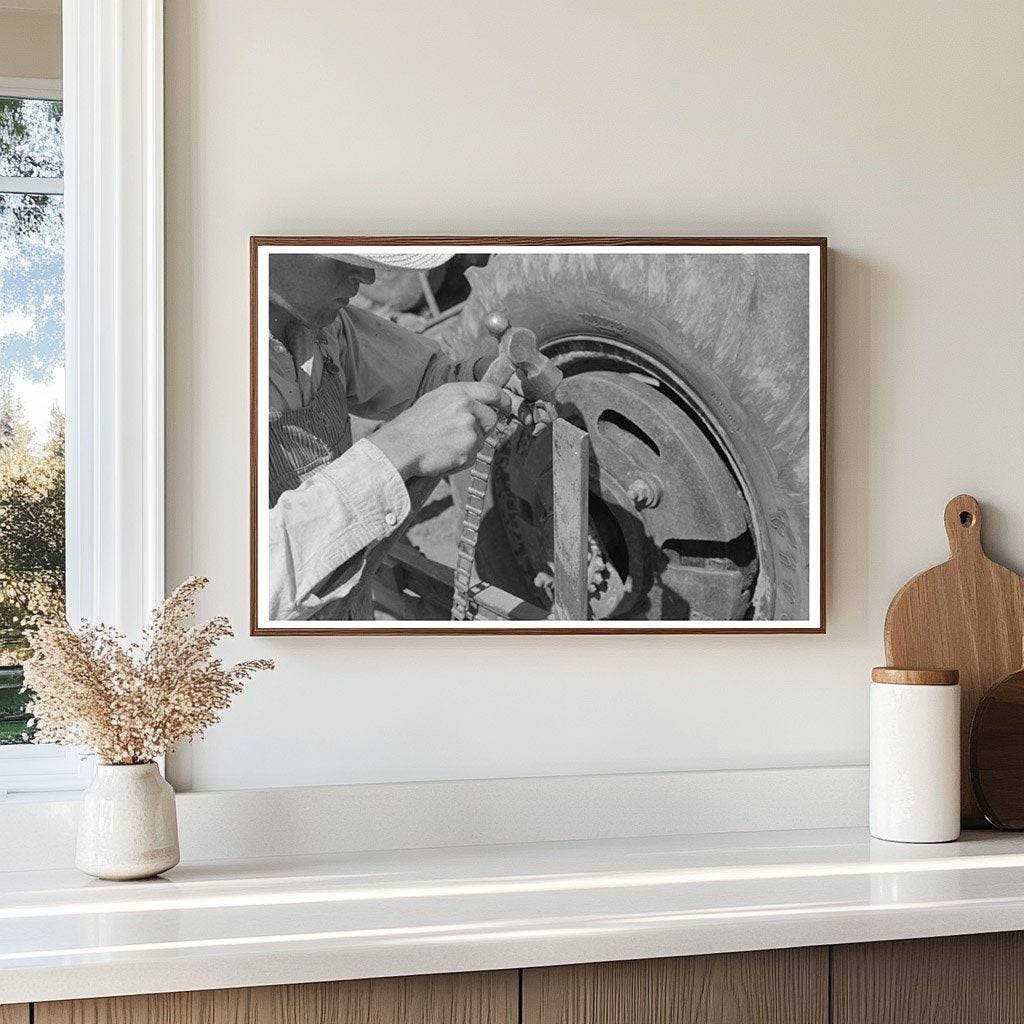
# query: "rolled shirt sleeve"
387,367
321,531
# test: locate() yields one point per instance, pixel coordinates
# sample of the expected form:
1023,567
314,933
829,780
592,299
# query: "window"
32,563
91,172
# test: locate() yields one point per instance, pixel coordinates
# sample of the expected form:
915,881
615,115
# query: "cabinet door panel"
960,979
778,986
482,998
14,1013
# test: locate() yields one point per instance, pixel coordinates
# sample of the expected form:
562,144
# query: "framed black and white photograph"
537,435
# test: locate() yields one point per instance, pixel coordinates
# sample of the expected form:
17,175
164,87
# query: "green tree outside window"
32,555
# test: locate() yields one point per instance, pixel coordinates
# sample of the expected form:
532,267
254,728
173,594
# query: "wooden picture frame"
706,403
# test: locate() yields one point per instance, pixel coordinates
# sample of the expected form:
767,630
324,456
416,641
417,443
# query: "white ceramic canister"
127,824
915,755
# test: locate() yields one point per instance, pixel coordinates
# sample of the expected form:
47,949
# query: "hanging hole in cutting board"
966,519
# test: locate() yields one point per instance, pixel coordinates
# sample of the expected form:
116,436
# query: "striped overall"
301,441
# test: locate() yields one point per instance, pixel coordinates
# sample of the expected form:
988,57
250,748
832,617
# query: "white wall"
895,129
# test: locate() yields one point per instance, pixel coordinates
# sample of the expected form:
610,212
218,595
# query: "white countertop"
261,922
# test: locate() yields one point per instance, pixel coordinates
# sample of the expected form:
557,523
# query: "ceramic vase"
127,825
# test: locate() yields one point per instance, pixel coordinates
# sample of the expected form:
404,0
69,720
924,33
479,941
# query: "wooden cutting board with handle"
967,614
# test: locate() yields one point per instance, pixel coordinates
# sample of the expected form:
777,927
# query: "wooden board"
776,986
14,1013
960,979
967,614
570,480
480,998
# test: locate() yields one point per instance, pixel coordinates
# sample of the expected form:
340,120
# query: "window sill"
36,772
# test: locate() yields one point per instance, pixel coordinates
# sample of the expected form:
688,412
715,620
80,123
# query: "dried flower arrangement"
130,703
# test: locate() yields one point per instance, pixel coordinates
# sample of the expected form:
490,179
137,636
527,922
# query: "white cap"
409,260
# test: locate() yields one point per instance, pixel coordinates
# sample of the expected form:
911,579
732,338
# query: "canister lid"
916,676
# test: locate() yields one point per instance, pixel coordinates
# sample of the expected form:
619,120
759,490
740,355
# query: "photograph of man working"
520,434
335,503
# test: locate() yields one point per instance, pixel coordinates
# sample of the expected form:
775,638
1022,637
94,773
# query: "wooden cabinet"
491,998
970,979
962,979
777,986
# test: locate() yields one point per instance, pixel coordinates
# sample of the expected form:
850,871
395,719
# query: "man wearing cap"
335,503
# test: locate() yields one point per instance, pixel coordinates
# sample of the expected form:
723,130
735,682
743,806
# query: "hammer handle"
499,373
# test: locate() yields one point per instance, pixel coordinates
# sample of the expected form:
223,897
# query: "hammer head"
538,375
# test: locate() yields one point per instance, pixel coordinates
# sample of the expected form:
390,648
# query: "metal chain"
479,481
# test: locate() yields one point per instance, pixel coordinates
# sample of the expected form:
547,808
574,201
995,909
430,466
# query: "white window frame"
31,89
114,335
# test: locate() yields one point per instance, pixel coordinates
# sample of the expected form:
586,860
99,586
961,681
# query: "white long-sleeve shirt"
324,533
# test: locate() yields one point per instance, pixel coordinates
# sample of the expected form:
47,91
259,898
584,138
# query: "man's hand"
536,417
443,430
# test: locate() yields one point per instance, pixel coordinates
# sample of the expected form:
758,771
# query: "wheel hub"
669,526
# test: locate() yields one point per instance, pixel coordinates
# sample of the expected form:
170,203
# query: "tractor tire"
729,332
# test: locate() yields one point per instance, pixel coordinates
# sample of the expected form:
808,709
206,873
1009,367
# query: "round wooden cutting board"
997,752
967,614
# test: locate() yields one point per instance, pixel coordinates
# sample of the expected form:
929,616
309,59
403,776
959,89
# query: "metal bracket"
570,482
